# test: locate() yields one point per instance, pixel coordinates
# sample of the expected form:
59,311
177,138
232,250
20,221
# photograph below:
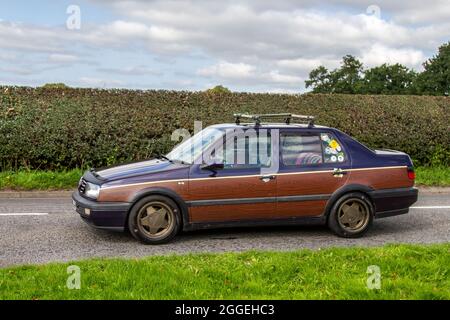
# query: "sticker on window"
332,149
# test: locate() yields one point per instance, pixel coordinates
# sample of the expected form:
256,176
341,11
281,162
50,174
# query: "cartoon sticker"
332,150
333,144
325,137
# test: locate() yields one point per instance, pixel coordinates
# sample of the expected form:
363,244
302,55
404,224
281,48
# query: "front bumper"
392,202
102,215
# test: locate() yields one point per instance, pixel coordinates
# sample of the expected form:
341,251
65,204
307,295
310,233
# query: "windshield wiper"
161,156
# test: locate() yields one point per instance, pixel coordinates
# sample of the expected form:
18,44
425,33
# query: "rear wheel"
351,216
154,220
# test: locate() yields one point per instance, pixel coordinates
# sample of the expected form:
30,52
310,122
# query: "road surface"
44,230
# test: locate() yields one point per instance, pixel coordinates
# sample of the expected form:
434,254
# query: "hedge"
58,128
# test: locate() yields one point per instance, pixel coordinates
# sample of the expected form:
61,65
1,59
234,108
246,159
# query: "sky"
254,46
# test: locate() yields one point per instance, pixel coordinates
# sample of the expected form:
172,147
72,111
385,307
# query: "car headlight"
92,190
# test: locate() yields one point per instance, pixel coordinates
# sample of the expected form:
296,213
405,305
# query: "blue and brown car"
251,174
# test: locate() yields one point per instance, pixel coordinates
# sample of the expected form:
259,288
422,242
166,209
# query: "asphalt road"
60,235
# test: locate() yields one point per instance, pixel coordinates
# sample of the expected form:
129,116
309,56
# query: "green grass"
39,180
433,176
407,272
53,180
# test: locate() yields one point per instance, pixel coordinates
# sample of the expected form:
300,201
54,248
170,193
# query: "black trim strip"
215,202
390,213
304,198
92,225
398,192
309,220
99,206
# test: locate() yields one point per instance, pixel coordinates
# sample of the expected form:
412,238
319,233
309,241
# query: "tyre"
154,220
351,216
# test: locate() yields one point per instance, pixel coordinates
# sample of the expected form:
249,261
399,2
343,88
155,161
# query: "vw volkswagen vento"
251,174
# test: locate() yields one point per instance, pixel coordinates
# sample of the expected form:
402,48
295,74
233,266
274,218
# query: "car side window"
298,149
248,150
332,150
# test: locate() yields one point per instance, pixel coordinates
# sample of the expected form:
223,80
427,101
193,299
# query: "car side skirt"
318,220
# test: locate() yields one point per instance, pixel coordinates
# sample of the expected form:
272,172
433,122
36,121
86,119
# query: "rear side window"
300,150
332,149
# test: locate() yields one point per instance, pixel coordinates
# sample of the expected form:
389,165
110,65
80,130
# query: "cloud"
99,82
26,37
254,45
265,32
379,54
228,70
305,65
131,71
62,58
241,73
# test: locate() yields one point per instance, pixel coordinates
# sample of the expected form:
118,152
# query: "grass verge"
407,272
54,180
39,180
433,176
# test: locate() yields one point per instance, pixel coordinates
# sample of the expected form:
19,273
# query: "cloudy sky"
258,46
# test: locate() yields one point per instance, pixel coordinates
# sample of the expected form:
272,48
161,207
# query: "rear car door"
313,165
238,191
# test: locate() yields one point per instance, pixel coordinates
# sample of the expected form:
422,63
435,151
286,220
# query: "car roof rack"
288,117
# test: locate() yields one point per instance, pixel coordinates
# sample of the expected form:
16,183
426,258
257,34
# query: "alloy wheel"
156,219
353,215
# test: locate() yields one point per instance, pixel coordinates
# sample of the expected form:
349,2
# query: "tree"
218,90
435,79
319,80
55,86
346,79
388,79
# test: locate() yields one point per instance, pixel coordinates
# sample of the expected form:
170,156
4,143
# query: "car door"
312,167
239,191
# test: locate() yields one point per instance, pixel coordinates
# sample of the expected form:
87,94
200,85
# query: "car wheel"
154,220
351,216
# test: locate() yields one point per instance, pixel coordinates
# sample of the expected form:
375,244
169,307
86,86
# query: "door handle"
338,172
267,178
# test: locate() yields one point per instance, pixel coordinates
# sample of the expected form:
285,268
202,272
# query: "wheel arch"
366,190
172,195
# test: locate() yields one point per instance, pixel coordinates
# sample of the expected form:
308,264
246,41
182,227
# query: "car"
274,169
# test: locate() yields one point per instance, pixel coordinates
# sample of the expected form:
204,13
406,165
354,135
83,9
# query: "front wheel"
351,216
154,220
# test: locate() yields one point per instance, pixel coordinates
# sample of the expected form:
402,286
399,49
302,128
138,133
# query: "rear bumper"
392,202
103,215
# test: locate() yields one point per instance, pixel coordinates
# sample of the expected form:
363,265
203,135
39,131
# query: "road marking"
431,207
24,214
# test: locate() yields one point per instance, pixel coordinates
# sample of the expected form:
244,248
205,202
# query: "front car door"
239,191
310,161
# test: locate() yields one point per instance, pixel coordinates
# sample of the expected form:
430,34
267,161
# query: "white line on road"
24,214
431,207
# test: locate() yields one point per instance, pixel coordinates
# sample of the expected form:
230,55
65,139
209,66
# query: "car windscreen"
190,149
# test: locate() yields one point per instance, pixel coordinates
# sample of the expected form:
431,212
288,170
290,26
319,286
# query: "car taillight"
411,174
